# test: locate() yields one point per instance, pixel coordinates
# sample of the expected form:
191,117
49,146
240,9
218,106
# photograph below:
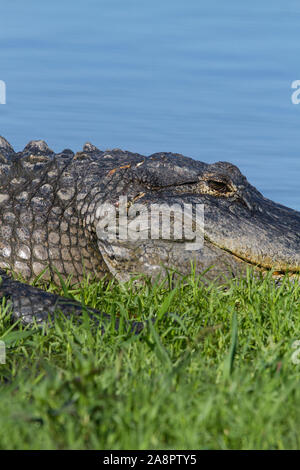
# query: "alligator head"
241,227
51,208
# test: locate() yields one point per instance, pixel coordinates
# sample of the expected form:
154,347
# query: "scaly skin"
49,217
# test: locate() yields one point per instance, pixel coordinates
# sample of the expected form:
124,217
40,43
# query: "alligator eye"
219,186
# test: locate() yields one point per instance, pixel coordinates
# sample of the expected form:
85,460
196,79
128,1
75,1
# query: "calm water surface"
209,79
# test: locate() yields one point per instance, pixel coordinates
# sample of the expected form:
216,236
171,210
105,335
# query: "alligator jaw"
264,269
267,238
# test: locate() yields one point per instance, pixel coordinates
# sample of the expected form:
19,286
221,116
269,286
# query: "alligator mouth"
266,269
291,272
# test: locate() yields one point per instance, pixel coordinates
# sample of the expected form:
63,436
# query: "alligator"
51,207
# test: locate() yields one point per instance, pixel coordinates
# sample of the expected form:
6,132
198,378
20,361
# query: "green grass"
214,372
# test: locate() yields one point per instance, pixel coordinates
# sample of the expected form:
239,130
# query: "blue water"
209,79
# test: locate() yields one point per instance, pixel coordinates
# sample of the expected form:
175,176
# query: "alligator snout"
264,234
